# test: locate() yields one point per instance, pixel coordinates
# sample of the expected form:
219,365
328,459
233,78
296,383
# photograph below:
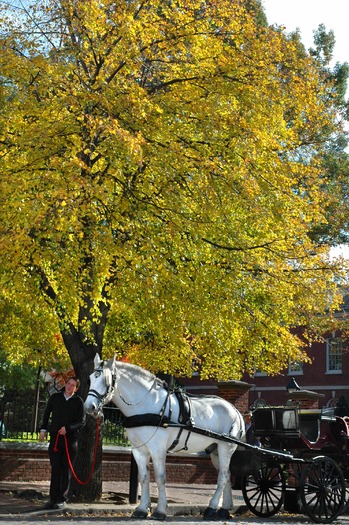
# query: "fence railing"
21,415
113,430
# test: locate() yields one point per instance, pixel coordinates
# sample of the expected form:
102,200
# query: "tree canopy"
164,193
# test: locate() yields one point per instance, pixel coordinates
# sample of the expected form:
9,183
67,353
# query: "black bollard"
133,491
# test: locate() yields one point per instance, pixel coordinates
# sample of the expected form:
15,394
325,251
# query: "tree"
334,157
19,377
161,177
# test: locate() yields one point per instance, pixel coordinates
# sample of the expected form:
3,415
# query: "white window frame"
332,344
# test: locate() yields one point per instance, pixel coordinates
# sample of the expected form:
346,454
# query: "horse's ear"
97,360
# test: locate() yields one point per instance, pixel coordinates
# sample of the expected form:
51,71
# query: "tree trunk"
82,357
86,461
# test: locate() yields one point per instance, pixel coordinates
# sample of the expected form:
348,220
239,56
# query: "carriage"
301,465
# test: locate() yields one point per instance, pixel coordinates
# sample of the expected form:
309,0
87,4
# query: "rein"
138,402
55,448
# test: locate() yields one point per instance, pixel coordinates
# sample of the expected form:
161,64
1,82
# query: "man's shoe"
59,505
49,505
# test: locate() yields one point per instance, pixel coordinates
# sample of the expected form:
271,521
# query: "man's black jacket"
68,413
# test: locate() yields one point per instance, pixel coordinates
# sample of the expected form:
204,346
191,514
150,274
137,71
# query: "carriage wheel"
322,489
264,490
346,498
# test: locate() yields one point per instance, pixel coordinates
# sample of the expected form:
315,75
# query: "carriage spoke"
263,491
322,490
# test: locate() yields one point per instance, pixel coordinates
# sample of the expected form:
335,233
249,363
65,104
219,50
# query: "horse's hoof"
223,514
210,514
159,516
139,514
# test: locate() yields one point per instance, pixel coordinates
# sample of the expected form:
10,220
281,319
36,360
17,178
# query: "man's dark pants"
60,470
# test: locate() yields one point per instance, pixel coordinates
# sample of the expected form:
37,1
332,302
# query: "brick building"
326,377
323,382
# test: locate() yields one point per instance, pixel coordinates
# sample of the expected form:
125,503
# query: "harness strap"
185,417
96,394
186,442
152,420
156,420
176,441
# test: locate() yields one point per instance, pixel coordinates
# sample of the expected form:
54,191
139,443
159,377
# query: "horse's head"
102,385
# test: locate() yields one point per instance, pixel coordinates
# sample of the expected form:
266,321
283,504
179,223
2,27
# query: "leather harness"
185,421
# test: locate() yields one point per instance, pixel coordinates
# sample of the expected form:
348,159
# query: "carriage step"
292,501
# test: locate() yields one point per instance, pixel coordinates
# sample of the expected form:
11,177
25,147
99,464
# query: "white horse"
159,420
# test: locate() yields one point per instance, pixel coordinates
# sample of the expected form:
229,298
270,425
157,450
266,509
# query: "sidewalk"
22,498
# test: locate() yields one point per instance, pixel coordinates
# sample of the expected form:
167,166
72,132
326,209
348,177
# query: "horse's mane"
134,369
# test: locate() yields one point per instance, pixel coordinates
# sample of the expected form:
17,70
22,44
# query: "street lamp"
293,386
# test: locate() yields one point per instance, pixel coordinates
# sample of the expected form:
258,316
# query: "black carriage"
303,463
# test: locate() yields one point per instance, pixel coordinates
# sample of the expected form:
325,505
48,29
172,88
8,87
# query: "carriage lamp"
293,386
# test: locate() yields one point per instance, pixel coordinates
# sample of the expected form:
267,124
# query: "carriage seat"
346,423
340,428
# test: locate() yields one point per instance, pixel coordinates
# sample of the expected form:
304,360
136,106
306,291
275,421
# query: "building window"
259,403
332,403
259,373
295,368
334,355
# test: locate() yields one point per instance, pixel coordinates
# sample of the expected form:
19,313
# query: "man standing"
250,437
67,414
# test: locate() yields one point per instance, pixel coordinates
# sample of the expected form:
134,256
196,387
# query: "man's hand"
62,431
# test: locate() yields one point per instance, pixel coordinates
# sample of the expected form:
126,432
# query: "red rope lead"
69,459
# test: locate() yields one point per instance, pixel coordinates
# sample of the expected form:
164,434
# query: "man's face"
70,387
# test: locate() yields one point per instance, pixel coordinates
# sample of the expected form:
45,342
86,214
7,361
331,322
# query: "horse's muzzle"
93,407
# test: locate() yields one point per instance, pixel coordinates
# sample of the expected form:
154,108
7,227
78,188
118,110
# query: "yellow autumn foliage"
160,180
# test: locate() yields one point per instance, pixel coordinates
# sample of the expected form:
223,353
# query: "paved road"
102,520
186,504
115,516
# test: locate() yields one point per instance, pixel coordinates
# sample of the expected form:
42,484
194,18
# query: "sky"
307,15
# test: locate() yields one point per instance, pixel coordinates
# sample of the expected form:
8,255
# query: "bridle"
110,382
109,379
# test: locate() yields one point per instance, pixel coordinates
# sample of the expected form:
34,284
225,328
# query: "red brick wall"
240,401
24,465
236,392
33,465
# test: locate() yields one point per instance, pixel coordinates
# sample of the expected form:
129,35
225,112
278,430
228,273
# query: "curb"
174,509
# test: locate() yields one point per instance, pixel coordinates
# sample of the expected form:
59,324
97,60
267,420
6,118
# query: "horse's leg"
221,461
159,464
142,458
227,503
